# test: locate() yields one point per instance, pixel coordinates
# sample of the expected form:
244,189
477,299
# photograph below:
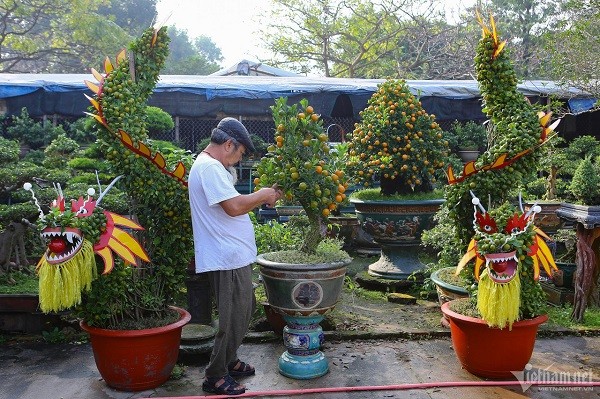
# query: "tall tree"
366,39
55,35
131,15
524,22
191,58
574,60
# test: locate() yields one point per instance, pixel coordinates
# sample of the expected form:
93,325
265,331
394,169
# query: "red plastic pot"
136,360
492,352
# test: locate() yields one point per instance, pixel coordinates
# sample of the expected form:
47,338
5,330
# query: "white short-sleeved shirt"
221,242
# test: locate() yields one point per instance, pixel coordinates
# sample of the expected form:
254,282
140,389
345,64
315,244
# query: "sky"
231,24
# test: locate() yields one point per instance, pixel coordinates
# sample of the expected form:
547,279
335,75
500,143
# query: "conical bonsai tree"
498,235
304,166
396,142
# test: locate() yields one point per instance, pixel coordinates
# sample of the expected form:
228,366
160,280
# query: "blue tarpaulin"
203,96
579,105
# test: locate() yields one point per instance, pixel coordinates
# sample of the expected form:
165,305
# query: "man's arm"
244,203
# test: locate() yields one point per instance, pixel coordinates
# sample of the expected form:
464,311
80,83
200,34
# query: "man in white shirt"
225,247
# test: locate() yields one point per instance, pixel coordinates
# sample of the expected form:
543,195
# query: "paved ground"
368,343
35,370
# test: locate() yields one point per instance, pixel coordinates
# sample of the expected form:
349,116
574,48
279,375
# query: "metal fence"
189,132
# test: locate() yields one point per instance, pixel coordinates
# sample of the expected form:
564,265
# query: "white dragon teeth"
69,237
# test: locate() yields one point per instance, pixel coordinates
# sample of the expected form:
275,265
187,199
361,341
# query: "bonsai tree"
31,133
133,292
304,167
467,136
155,185
585,185
159,122
396,142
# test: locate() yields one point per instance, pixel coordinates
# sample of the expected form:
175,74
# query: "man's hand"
272,194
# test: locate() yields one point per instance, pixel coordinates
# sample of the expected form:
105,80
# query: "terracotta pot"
136,360
275,319
492,352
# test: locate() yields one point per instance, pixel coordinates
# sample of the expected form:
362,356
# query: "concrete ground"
31,370
369,343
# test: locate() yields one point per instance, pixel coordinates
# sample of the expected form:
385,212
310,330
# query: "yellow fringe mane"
61,285
499,304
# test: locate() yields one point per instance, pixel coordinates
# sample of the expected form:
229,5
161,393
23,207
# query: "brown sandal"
237,368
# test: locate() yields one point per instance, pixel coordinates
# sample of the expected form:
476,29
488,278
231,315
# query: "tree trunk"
12,245
316,232
588,270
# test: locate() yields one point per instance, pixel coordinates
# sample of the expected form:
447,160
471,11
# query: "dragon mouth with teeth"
502,267
63,243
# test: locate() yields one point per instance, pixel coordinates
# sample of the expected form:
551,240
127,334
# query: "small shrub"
274,236
537,187
55,336
35,156
87,164
58,176
59,151
158,121
82,131
468,135
9,151
585,185
32,133
93,151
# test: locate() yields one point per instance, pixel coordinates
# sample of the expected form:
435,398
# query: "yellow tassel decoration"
61,285
499,304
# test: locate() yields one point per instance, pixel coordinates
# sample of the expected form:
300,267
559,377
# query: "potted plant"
467,139
566,250
130,304
400,146
493,332
585,213
304,284
448,287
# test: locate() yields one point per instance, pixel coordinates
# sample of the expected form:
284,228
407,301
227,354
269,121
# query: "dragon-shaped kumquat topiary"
158,191
508,289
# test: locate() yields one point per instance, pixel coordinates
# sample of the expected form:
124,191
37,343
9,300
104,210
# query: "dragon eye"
486,223
516,224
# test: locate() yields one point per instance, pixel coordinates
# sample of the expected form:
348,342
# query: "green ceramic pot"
397,227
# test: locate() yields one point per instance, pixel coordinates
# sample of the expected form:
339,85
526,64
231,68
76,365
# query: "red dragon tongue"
57,245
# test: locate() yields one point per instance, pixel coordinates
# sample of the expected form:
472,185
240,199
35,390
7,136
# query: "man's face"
235,154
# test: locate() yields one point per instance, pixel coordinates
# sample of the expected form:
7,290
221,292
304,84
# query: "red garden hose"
424,385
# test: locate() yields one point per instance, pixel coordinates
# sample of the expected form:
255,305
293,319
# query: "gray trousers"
234,295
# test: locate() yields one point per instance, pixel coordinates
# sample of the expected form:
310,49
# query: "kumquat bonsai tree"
304,166
397,143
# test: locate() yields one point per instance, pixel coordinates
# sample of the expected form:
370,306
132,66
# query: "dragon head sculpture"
505,241
74,235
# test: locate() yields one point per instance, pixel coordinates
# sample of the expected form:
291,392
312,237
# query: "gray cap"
236,130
